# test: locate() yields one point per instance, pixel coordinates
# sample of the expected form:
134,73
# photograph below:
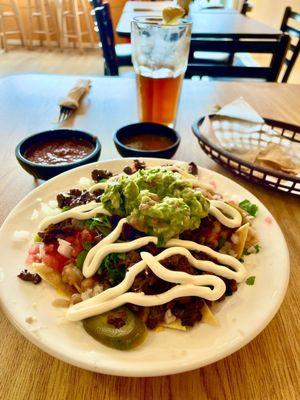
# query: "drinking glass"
159,55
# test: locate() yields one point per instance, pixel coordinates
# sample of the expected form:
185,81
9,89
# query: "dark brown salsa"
146,141
59,151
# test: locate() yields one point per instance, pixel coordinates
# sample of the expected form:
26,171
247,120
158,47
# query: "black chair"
276,47
115,56
294,33
246,7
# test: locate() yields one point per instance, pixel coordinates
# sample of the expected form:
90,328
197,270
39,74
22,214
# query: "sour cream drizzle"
188,285
82,212
97,254
217,206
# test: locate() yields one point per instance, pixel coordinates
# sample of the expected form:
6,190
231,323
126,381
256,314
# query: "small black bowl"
142,128
42,171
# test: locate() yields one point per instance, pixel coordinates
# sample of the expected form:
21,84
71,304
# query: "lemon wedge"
171,15
185,4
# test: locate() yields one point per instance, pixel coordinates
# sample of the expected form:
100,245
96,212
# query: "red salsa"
59,151
146,141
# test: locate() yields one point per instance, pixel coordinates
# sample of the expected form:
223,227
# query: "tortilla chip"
53,278
251,155
174,325
241,234
208,316
276,157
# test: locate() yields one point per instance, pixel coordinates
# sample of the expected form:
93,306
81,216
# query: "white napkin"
240,109
234,126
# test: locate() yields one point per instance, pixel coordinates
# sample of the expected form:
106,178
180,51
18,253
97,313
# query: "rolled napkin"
240,130
75,94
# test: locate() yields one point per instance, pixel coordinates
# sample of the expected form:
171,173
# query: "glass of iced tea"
159,55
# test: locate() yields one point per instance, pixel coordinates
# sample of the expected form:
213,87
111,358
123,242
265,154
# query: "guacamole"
156,201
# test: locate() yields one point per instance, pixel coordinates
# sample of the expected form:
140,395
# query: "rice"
85,182
50,209
34,215
21,236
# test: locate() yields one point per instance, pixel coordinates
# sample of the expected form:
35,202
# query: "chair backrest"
96,3
105,29
289,14
276,47
246,7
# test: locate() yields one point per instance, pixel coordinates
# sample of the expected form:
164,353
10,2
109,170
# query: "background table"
206,23
267,368
141,6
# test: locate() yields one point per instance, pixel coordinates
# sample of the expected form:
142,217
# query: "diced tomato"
53,259
35,249
79,239
50,255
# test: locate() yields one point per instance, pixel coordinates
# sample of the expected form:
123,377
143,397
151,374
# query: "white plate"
242,316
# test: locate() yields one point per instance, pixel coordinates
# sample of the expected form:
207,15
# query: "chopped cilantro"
101,224
80,259
257,248
82,255
66,208
87,246
160,241
116,275
112,267
221,242
251,209
250,281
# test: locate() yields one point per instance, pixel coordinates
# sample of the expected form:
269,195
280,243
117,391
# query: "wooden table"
206,22
268,367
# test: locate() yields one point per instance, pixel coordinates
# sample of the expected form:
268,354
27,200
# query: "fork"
65,113
71,103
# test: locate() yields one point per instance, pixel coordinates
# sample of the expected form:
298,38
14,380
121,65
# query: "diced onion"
169,317
50,209
64,248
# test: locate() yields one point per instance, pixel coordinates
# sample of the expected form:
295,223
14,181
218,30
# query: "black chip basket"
272,131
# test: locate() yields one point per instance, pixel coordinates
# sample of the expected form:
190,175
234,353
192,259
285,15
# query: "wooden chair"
277,48
115,56
3,39
41,14
294,33
75,11
10,10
